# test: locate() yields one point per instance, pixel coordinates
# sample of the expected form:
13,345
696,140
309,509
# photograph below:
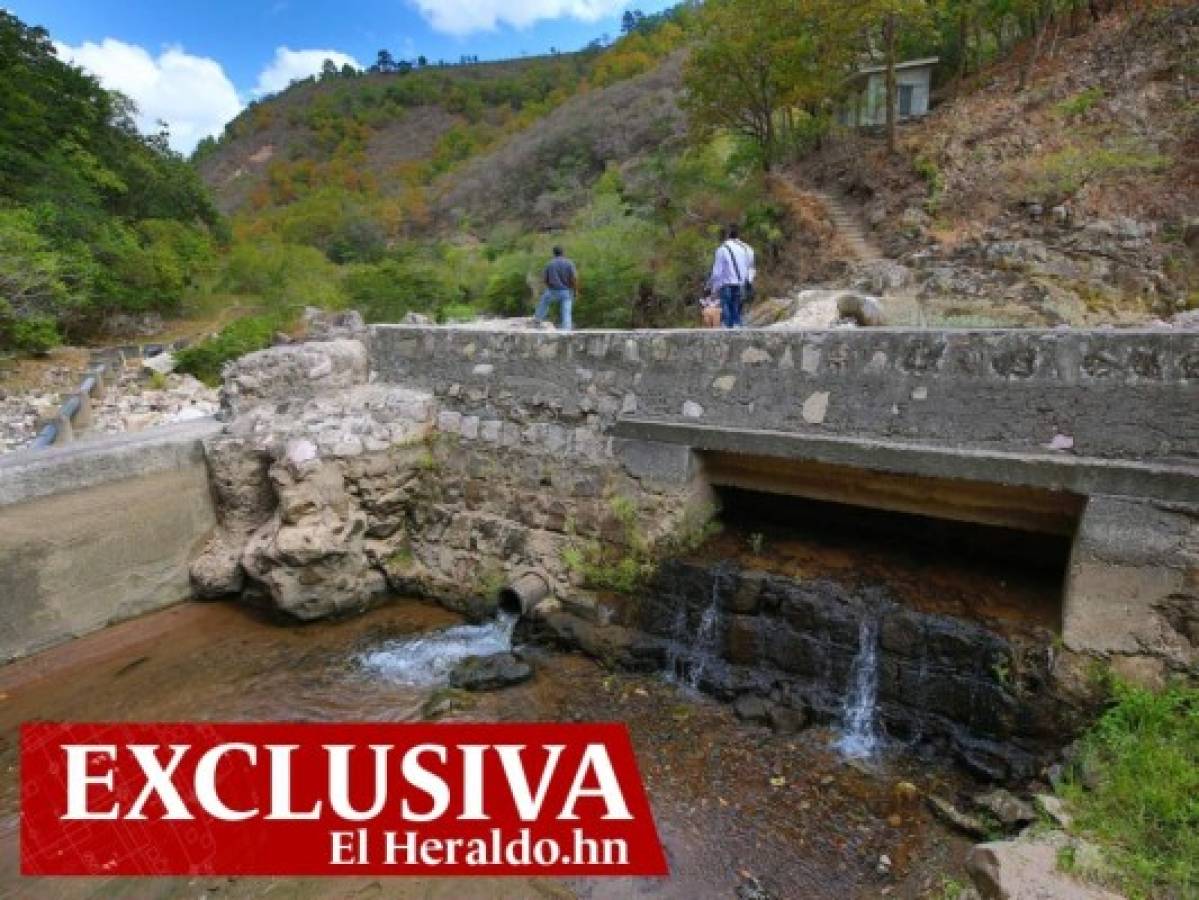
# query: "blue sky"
194,64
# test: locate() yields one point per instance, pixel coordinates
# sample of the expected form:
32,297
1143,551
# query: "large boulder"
1027,869
304,416
860,308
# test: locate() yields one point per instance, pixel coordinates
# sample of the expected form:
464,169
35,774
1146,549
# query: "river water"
733,802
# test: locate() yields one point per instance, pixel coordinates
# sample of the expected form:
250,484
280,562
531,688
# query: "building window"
907,94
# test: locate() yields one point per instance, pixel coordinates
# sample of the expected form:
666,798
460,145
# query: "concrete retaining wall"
99,532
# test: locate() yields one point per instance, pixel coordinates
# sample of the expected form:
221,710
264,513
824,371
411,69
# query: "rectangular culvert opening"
971,550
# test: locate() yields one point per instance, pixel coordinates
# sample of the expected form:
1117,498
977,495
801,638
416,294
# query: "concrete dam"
576,477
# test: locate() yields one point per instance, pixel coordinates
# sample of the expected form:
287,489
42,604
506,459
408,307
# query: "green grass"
608,566
952,889
1141,761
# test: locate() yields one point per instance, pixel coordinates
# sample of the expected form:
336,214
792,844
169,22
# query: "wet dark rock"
753,709
903,634
611,645
747,597
744,640
950,686
970,825
785,720
490,673
990,760
1006,808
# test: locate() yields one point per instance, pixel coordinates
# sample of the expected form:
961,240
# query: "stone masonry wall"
1106,398
990,693
1115,394
445,463
335,488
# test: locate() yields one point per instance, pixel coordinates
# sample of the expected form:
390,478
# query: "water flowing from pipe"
427,659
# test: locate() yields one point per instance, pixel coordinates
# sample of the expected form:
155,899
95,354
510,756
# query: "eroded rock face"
291,529
293,372
310,556
245,499
334,489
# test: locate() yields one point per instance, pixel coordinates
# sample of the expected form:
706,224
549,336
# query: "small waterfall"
691,657
426,659
859,727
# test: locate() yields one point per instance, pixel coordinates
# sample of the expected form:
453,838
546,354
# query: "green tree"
77,184
385,62
756,61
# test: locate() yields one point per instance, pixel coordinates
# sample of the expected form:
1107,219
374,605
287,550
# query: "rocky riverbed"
742,812
134,402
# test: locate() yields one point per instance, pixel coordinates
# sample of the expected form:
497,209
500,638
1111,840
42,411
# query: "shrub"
285,276
508,291
206,359
930,173
35,335
1081,103
386,291
33,290
1061,175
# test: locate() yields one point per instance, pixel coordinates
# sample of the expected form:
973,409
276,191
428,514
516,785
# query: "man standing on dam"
561,284
732,279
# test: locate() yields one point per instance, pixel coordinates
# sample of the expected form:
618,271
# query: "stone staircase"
847,226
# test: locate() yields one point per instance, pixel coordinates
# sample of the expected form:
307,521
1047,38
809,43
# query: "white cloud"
460,17
191,94
288,65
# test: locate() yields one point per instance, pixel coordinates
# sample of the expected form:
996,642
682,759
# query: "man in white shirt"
733,275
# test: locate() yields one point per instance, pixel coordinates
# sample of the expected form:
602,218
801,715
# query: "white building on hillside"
868,105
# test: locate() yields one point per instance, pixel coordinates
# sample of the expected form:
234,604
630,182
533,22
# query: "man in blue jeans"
561,284
733,273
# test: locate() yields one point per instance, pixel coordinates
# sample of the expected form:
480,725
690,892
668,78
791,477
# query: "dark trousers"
730,306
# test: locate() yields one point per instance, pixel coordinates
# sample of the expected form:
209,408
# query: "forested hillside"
1053,182
440,189
95,219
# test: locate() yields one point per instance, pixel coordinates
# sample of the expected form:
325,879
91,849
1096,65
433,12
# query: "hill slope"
1072,201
